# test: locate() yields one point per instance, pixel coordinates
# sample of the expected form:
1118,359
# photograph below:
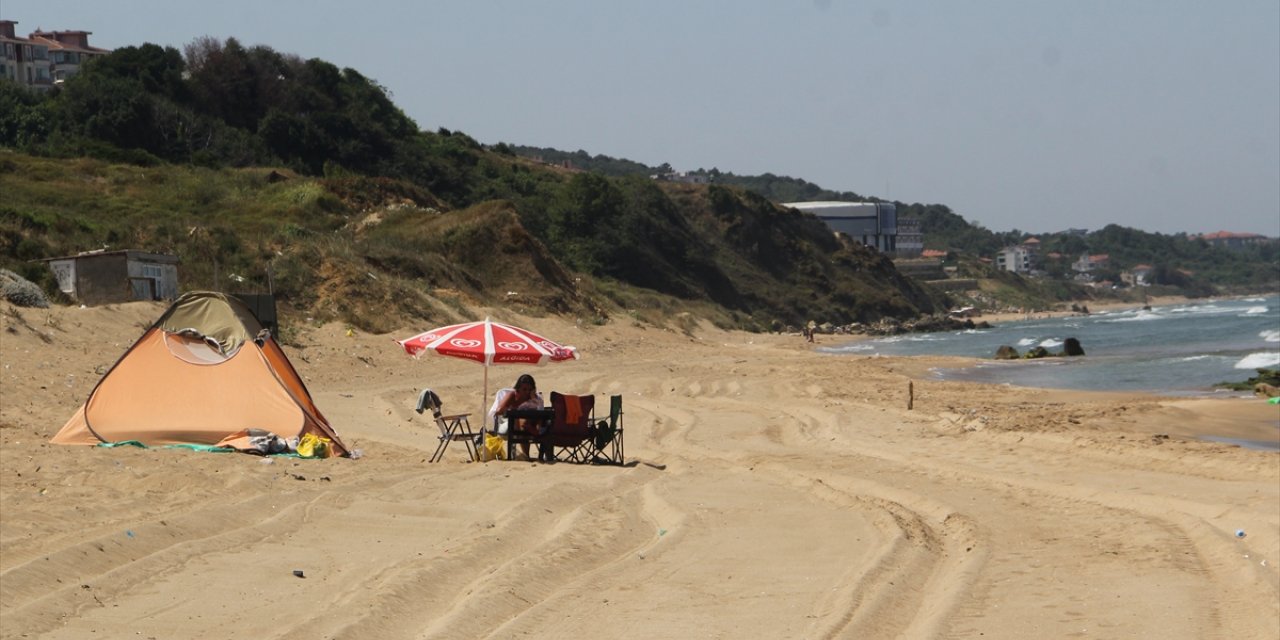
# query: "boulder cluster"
925,324
1070,347
891,326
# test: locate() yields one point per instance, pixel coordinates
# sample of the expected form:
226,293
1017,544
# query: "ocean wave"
1270,335
1051,343
1026,342
1202,309
911,337
1254,311
1253,300
1141,316
1193,358
1260,360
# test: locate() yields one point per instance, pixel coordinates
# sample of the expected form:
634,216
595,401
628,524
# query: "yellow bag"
495,448
313,446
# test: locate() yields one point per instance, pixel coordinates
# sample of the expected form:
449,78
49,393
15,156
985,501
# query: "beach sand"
773,492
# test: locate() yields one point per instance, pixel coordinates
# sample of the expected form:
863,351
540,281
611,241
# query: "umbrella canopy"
489,343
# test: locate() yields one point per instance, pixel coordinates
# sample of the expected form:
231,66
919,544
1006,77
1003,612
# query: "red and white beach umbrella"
489,343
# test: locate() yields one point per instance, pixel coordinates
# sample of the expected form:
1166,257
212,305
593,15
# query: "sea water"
1180,349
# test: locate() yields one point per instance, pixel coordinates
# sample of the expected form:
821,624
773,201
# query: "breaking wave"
1260,360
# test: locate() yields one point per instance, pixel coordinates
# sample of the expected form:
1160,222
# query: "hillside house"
1138,276
910,238
23,60
1088,262
681,176
68,51
103,277
1020,258
1016,259
44,58
1235,241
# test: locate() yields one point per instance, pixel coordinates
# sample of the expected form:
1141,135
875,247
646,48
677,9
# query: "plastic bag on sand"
313,446
495,448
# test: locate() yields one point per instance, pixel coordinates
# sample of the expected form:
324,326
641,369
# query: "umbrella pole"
484,398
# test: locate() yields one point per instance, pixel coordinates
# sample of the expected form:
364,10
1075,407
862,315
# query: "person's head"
525,386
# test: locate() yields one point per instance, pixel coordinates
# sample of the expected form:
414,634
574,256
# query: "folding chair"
454,427
606,436
569,438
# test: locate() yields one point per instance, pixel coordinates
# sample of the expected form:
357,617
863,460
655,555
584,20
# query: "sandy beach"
772,492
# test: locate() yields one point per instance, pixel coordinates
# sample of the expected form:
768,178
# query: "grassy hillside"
377,252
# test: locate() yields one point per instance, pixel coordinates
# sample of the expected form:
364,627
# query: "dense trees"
221,104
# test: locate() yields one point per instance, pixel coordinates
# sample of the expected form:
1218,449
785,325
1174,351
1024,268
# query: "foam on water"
1141,316
1260,360
1194,346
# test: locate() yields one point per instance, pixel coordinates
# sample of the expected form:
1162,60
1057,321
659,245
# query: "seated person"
525,397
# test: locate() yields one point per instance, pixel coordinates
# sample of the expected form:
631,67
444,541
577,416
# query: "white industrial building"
874,224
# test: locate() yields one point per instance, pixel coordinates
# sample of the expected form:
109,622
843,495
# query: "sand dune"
774,492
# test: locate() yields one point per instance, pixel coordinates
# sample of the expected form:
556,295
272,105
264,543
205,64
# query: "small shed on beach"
102,277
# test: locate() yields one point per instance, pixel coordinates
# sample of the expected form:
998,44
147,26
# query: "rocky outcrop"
1006,352
1071,347
21,292
925,324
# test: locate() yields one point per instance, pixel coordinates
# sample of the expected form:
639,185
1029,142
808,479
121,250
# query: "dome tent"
205,373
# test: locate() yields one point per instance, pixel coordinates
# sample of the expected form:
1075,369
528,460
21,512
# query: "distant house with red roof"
933,253
68,51
1088,262
1232,240
1139,275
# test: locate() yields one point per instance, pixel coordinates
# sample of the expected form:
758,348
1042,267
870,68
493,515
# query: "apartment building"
43,59
68,50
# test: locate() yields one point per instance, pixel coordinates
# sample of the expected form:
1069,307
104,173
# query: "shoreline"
1157,301
1254,424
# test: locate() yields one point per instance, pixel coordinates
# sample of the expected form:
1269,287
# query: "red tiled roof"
67,41
933,253
1225,235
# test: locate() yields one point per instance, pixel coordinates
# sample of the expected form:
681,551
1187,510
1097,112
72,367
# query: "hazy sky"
1158,114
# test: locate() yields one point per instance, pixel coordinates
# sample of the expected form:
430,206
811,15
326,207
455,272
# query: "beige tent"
205,373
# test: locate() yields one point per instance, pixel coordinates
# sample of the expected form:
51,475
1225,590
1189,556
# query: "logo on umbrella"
513,346
465,343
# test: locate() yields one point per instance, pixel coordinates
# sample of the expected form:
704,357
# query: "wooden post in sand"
911,395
